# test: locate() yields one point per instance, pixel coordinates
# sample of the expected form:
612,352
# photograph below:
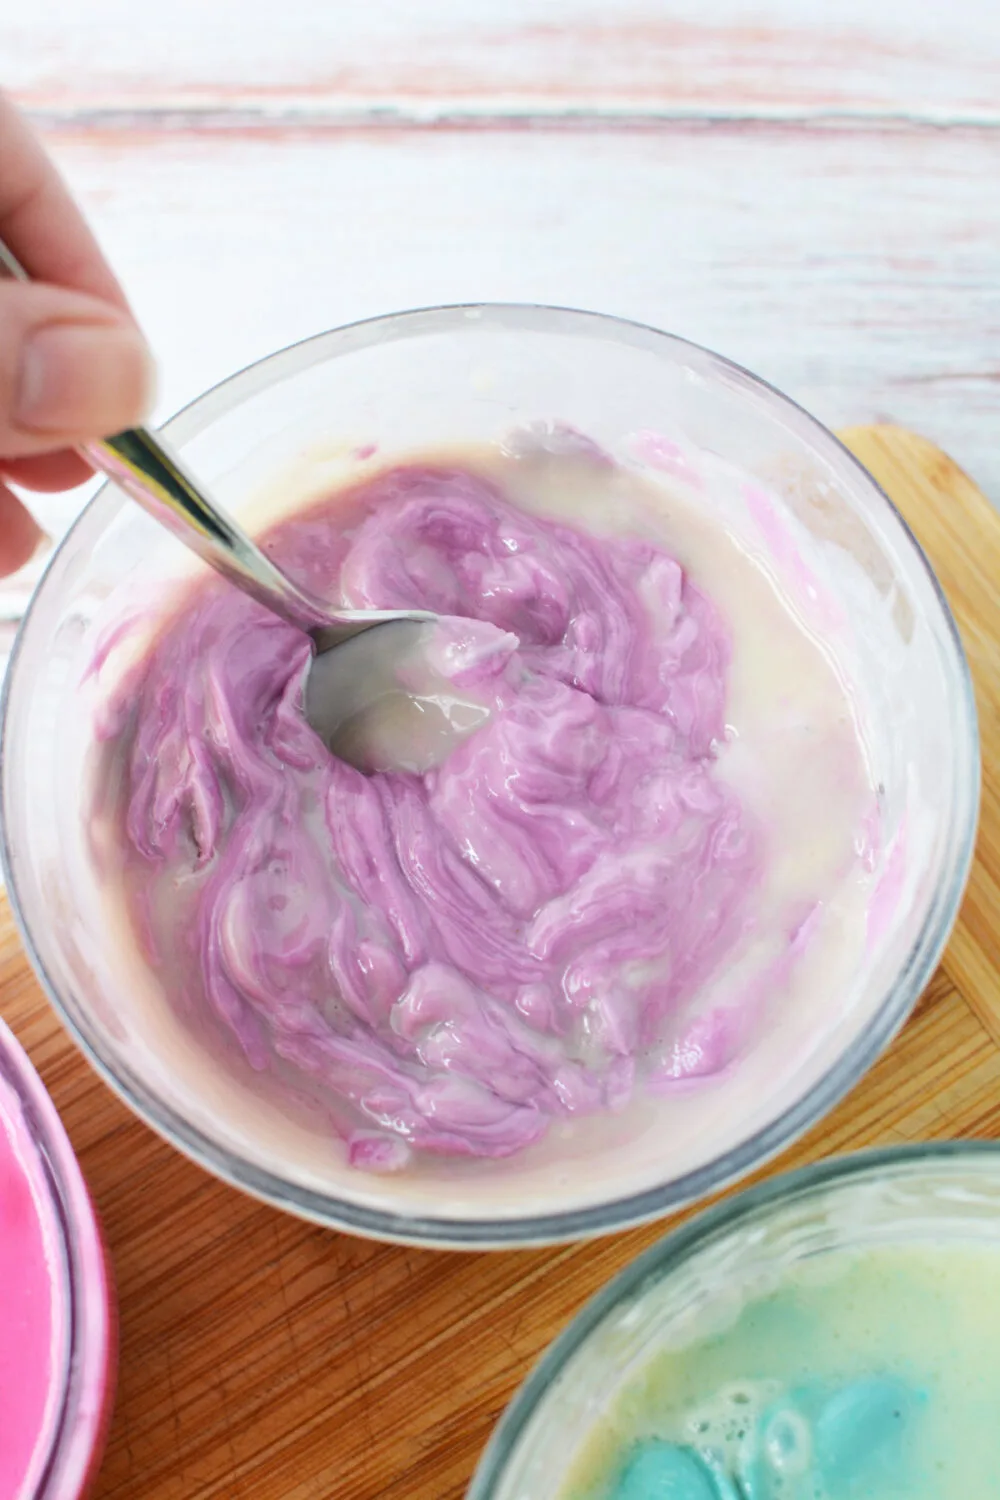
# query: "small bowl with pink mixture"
656,839
57,1315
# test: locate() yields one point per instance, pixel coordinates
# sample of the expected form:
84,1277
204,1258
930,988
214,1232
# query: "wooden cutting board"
267,1359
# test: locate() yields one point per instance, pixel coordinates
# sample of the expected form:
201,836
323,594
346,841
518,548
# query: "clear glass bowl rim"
651,1203
682,1244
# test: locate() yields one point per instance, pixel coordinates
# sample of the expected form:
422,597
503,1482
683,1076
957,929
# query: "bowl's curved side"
39,935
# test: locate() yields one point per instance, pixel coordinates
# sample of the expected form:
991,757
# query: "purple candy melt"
451,960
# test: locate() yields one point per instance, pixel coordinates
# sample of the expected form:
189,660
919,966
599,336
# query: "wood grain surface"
809,187
858,269
264,1359
779,58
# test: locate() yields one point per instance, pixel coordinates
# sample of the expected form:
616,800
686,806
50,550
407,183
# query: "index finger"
39,219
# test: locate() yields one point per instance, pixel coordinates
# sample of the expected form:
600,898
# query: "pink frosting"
448,962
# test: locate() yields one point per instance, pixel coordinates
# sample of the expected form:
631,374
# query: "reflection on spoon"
401,697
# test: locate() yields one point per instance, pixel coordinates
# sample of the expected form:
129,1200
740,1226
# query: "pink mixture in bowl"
56,1311
447,957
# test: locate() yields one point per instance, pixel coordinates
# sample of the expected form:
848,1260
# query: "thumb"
72,368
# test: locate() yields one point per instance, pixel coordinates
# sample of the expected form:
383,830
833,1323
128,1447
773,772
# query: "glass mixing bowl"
84,1355
303,421
691,1282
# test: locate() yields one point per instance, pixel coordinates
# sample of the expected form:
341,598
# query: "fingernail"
83,379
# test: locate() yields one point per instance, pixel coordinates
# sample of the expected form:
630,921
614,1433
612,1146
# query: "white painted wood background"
810,186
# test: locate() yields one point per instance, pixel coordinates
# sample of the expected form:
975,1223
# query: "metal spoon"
339,682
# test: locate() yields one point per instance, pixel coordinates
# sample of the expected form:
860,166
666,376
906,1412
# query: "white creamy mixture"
792,754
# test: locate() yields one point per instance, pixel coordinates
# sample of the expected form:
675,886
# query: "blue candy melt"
834,1443
861,1435
663,1471
814,1441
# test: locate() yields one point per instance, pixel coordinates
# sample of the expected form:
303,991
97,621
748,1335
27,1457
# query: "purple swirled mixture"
448,961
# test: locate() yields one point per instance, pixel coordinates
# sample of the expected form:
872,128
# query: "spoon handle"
142,465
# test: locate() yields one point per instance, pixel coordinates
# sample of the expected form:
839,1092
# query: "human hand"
73,364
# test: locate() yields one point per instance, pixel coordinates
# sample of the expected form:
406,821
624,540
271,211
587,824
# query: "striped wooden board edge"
268,1359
